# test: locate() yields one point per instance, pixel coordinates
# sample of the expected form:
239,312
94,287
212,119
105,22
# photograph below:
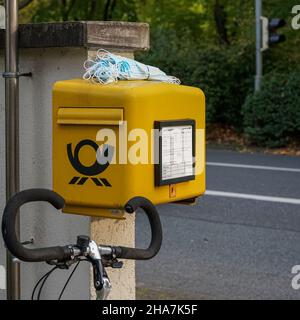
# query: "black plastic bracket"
28,242
11,75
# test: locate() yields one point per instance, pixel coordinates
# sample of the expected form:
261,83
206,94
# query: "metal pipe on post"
259,57
11,76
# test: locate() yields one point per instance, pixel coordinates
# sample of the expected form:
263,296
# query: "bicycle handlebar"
156,231
9,226
64,253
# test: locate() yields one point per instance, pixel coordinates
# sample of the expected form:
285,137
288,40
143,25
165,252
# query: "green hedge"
225,74
272,116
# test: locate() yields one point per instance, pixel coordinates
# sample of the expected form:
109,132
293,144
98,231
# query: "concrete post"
56,51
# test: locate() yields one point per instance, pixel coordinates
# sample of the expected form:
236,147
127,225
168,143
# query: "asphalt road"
229,246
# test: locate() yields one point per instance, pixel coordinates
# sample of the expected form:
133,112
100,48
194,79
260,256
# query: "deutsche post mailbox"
133,138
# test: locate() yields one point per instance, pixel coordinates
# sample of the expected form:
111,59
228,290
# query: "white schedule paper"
177,152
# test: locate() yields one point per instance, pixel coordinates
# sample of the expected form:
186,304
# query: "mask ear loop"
89,66
87,76
111,68
89,63
106,74
103,54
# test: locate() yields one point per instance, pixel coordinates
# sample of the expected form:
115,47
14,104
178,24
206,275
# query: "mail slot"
133,138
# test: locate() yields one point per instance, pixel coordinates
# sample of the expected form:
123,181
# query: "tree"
220,17
109,9
23,4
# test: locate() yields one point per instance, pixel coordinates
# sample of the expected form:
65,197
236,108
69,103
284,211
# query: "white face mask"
109,68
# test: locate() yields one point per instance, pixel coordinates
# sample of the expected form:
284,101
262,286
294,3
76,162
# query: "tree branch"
221,20
72,4
23,4
106,10
112,8
92,9
66,10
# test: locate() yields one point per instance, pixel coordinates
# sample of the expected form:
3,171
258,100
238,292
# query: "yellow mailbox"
133,138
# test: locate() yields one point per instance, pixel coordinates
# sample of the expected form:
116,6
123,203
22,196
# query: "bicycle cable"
68,280
45,276
42,286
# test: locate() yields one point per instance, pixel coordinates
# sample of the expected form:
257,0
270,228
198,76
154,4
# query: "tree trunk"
66,10
92,10
220,20
112,8
106,10
109,9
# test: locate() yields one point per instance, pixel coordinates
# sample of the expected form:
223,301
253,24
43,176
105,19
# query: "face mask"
109,68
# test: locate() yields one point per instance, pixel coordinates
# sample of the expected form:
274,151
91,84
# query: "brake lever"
103,293
101,281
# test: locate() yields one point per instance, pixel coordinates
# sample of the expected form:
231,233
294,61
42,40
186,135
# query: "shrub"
224,73
272,116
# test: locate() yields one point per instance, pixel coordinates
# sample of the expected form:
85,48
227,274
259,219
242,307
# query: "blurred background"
211,44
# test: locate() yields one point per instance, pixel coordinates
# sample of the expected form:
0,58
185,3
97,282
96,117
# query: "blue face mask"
108,68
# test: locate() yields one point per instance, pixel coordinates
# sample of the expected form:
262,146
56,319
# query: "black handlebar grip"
156,231
9,226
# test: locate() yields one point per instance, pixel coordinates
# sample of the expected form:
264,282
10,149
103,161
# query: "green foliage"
205,43
272,116
226,76
75,10
192,19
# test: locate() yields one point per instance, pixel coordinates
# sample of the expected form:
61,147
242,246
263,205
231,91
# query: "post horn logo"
103,158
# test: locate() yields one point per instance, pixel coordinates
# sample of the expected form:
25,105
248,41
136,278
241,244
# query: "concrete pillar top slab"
120,36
